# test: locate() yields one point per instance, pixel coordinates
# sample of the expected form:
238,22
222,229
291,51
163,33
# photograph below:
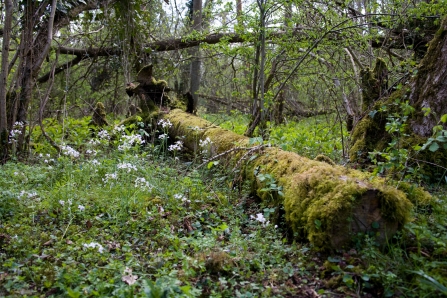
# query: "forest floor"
110,219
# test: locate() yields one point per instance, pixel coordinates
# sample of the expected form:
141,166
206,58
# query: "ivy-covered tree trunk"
322,202
417,111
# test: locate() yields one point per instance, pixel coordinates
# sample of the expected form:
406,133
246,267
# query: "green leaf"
444,118
375,225
212,163
333,259
317,224
433,147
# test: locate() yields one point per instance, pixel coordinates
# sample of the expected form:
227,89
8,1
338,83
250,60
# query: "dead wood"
324,203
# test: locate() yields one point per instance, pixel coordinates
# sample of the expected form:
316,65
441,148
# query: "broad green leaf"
433,147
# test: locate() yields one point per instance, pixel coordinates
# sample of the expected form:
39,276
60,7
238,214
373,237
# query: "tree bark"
322,202
3,79
196,62
429,89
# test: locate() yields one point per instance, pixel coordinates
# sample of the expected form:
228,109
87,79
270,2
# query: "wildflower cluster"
103,135
95,162
16,132
142,183
130,140
93,245
127,166
205,145
67,150
29,195
177,146
94,142
119,129
69,202
46,158
182,198
113,176
165,123
163,136
260,217
91,152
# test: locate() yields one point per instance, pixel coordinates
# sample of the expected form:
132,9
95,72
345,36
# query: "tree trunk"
323,202
427,94
196,62
429,89
3,79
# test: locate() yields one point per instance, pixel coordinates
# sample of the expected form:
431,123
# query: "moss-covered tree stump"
324,203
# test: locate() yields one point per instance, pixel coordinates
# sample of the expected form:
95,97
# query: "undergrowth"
308,137
114,216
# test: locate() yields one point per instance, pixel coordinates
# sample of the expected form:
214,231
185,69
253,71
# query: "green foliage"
308,137
398,158
125,223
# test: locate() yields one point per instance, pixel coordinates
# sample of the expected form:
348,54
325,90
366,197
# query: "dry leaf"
69,242
88,224
129,279
48,242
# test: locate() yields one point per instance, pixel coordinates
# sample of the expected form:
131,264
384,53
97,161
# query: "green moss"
322,200
324,158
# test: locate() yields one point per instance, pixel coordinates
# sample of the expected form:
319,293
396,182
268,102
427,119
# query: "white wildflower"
93,245
95,162
260,217
127,166
67,150
26,194
113,176
163,136
142,183
91,152
94,142
176,147
103,135
81,208
120,128
205,143
129,141
165,123
62,202
182,198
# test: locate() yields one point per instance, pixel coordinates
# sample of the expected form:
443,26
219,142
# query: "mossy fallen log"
324,203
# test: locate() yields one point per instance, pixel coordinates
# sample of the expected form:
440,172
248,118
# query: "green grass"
138,223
